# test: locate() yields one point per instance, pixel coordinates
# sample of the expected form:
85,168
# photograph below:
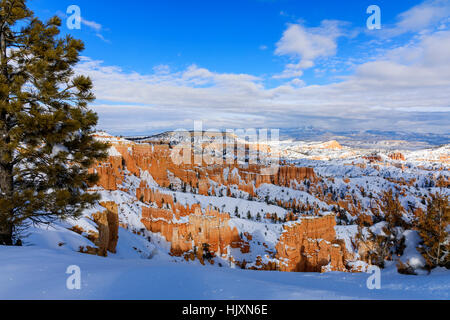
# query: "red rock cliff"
309,246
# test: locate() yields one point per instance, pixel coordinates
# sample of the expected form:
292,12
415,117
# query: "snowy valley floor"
35,273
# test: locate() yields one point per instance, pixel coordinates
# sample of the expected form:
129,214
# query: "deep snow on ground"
36,273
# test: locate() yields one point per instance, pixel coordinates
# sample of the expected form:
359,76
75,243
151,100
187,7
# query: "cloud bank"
405,87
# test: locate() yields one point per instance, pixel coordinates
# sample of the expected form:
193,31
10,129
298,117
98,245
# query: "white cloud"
423,65
97,27
291,70
101,37
306,45
298,82
92,24
162,69
417,19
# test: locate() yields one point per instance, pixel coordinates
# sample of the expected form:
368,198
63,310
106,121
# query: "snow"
112,152
34,273
275,193
147,177
411,256
57,149
226,204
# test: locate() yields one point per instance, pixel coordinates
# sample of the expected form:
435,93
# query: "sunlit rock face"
188,227
310,246
397,156
302,217
107,234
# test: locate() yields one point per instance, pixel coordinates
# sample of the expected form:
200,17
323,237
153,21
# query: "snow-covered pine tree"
46,146
391,240
433,225
395,226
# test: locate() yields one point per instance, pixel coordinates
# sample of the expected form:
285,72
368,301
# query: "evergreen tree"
392,209
433,225
393,239
381,249
46,146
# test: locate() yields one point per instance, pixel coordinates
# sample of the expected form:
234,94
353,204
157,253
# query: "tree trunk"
6,235
6,169
6,190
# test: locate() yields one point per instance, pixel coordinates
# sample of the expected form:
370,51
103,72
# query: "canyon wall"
157,160
195,233
310,246
209,227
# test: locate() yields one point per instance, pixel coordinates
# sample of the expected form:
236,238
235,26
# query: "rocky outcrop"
310,246
157,161
113,224
210,227
108,231
109,174
149,195
195,233
397,156
333,144
374,158
287,174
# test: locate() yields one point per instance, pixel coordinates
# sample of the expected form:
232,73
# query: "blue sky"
161,65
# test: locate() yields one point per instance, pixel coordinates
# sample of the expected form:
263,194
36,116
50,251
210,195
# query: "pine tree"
46,146
381,249
393,230
433,225
391,241
392,209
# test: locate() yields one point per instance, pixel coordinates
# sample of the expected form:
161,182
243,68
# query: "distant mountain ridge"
369,139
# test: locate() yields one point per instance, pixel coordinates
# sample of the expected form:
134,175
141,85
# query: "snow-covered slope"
35,273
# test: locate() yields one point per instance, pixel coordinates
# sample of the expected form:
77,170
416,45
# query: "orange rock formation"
309,246
210,227
108,231
305,246
397,156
